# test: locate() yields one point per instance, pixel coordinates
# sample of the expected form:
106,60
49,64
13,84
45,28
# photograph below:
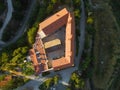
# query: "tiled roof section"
50,25
39,47
70,29
60,63
37,69
38,56
73,38
33,57
54,22
68,60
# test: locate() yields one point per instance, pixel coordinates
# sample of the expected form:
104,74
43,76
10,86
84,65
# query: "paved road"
8,17
33,84
82,34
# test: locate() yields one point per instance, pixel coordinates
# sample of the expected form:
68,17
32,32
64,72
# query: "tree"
5,57
54,1
16,58
77,1
49,82
76,81
31,35
86,63
90,20
24,49
49,8
16,51
56,79
77,13
2,77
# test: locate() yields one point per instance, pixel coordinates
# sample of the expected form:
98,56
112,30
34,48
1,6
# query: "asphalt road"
82,34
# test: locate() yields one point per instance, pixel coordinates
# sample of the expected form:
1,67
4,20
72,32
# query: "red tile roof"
68,60
38,55
49,26
54,22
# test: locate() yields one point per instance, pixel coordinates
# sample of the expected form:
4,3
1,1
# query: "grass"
105,39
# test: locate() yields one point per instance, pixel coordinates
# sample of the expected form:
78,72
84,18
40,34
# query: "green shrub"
76,82
45,73
2,77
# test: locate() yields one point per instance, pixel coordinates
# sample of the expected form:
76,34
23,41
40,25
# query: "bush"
49,82
31,35
14,83
90,20
45,73
2,6
1,23
56,79
76,82
2,77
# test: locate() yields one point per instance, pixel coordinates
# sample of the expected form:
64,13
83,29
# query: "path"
33,84
82,34
8,17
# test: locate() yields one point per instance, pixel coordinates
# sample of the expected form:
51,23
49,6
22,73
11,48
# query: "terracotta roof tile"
54,22
49,26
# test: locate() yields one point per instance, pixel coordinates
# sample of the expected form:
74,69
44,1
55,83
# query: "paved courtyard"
56,52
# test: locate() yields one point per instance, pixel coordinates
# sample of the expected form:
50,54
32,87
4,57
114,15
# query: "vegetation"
11,61
115,8
13,56
2,77
45,73
1,23
115,79
106,46
14,83
49,83
76,9
20,7
2,6
76,82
